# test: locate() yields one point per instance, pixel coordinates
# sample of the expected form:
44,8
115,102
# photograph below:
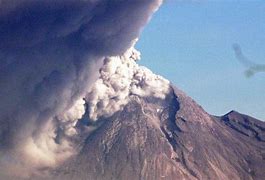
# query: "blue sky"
190,43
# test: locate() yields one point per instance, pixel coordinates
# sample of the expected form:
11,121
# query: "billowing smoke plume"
50,54
120,78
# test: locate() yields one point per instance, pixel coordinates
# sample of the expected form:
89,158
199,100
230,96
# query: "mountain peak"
232,112
172,138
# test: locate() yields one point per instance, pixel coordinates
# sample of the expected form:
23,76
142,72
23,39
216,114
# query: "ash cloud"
50,53
120,79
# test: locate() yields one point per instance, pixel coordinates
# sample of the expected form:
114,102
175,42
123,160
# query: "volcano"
75,105
174,138
135,125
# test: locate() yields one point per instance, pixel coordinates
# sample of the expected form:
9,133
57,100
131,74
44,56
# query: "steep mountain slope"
75,105
169,139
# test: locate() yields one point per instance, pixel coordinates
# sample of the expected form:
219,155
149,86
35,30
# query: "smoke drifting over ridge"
120,78
50,55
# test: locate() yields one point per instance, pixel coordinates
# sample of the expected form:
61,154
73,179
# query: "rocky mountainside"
152,139
76,105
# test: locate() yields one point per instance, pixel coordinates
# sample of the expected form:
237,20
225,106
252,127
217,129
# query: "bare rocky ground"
172,139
